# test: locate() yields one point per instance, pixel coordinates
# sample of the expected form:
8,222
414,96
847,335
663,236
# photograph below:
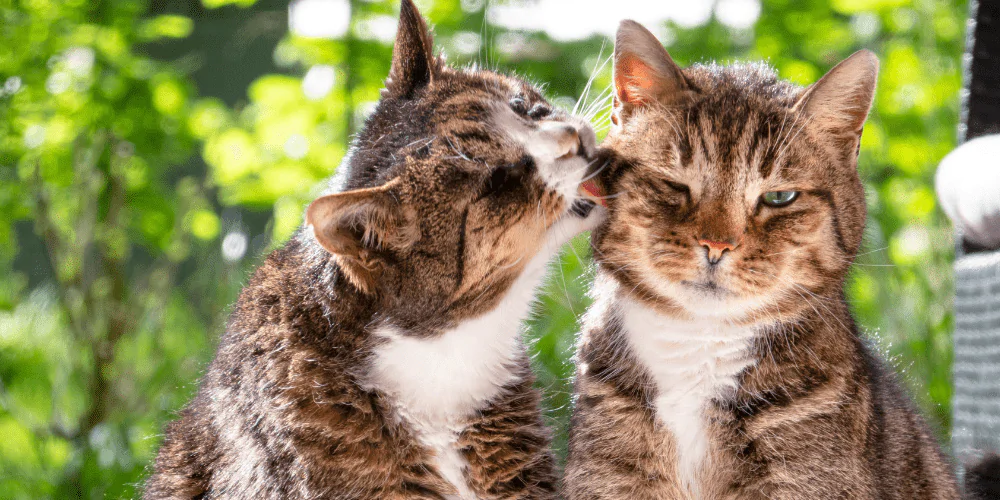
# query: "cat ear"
644,73
840,101
413,63
356,226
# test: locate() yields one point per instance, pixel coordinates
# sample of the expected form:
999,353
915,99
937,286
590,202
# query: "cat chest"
436,385
691,364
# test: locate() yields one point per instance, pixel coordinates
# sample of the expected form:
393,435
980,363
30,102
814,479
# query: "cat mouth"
590,188
591,191
707,287
582,208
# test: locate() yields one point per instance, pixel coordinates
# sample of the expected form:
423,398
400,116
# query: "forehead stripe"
768,151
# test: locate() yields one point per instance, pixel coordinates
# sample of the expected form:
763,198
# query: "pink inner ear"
634,80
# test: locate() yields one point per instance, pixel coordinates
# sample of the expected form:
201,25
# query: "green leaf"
166,26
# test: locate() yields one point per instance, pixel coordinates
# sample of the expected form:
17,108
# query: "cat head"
455,182
732,193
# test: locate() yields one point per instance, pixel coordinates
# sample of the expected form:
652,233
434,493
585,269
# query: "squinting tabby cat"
720,359
377,355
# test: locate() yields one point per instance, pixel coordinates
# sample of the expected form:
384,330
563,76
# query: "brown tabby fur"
815,414
284,411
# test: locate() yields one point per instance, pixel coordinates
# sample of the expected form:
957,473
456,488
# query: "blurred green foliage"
127,197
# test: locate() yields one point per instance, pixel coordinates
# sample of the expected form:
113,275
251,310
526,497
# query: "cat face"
456,181
732,193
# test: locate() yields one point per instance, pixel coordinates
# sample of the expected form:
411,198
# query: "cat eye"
536,112
506,178
677,189
676,186
519,105
679,194
539,111
779,198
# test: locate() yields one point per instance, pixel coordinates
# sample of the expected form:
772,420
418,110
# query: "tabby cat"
720,359
377,354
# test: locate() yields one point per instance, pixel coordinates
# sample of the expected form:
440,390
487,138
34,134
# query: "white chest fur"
691,363
437,383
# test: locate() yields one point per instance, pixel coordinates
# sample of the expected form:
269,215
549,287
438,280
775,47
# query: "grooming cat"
720,359
377,354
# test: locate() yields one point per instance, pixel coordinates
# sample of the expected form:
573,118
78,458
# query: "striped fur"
377,355
744,379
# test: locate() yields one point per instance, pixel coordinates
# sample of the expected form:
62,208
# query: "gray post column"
976,369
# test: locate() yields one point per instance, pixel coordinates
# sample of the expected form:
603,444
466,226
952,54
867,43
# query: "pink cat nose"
716,249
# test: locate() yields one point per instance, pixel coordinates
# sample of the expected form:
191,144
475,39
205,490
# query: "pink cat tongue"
592,191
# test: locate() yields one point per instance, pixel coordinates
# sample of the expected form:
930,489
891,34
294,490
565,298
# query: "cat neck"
691,360
687,367
436,384
451,374
454,372
690,363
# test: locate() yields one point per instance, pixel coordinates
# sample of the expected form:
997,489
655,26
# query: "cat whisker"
457,150
781,253
872,251
604,123
593,74
572,249
571,174
596,172
807,294
611,196
427,141
852,262
600,109
512,264
803,297
822,303
599,103
592,105
562,277
755,313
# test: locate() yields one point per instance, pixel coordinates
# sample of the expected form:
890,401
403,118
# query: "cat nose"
716,249
564,135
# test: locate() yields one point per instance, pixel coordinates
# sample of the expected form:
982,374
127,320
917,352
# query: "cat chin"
704,301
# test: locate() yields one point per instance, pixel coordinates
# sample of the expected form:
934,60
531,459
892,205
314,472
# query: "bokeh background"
151,152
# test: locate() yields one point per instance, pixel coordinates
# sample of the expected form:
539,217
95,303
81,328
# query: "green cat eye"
779,198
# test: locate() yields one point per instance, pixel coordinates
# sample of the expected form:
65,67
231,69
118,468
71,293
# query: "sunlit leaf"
168,96
166,26
204,224
214,4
